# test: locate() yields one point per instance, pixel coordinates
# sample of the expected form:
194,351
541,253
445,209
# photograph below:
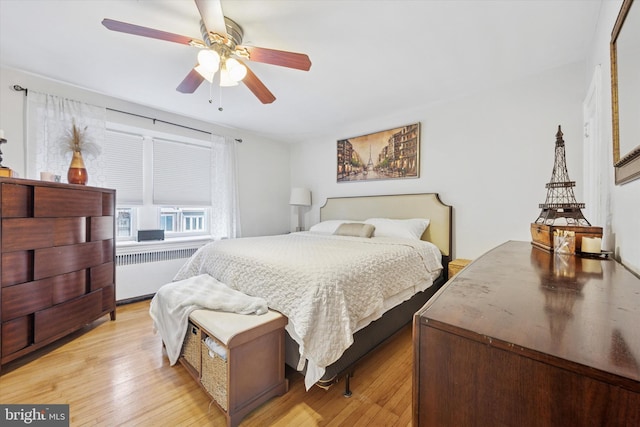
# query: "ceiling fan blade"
137,30
299,61
191,82
212,16
257,87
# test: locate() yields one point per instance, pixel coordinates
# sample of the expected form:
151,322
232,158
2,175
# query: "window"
193,220
163,181
183,220
168,219
124,222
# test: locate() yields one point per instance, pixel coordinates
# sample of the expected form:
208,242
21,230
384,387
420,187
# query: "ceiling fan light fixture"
209,59
208,63
237,71
225,78
207,74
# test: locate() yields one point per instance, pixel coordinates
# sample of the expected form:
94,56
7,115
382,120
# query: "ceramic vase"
77,172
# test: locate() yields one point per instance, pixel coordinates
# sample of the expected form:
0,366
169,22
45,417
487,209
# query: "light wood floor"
116,373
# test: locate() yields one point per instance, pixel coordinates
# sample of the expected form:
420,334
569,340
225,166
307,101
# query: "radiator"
155,256
140,273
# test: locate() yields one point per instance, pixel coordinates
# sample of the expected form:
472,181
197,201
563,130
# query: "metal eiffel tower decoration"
561,205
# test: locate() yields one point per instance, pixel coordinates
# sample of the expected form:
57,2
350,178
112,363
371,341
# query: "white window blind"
181,174
122,153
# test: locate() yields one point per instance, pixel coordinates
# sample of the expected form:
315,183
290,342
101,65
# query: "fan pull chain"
219,97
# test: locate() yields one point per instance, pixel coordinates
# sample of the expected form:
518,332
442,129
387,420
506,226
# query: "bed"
319,280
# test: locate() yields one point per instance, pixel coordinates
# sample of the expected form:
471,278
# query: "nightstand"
456,265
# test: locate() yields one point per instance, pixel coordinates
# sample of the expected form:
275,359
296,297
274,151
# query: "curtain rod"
19,88
154,120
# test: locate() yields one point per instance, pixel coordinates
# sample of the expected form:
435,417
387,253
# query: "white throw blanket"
174,302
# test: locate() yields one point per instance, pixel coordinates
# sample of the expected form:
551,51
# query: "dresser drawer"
101,228
25,298
17,267
34,233
65,317
101,275
63,202
16,334
17,200
64,259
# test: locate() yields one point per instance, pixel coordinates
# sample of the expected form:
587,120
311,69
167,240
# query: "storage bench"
246,366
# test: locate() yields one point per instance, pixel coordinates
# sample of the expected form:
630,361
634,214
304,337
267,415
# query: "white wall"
488,155
625,199
264,176
263,164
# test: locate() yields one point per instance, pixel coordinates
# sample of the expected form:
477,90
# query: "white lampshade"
209,59
236,70
225,78
208,63
204,72
300,197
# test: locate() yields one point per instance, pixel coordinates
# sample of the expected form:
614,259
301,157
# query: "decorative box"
542,235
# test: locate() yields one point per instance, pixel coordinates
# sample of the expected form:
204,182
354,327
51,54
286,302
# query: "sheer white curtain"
225,212
48,118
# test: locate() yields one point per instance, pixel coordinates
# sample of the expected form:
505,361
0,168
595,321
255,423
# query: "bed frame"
402,206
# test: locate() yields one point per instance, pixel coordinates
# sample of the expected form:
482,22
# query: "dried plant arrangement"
76,140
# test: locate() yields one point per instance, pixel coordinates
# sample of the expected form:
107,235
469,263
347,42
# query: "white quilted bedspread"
324,284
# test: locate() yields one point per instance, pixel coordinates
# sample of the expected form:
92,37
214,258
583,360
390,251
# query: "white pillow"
400,228
328,227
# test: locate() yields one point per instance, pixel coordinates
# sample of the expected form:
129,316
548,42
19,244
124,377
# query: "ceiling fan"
221,50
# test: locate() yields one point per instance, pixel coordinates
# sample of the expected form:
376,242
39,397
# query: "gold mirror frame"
627,165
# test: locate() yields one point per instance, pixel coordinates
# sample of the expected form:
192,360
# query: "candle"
591,245
1,133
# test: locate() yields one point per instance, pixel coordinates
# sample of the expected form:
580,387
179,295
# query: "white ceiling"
369,58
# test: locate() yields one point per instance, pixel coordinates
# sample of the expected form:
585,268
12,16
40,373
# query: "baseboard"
134,299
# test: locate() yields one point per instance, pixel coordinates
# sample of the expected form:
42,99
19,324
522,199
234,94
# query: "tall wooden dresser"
523,337
57,263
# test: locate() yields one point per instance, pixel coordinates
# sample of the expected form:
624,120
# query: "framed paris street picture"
388,154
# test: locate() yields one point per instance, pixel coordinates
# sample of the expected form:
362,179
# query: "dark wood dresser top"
572,312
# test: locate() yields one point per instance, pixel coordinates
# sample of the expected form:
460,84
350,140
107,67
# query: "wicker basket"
191,346
214,375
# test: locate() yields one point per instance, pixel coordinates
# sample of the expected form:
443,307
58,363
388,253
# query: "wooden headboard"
400,206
